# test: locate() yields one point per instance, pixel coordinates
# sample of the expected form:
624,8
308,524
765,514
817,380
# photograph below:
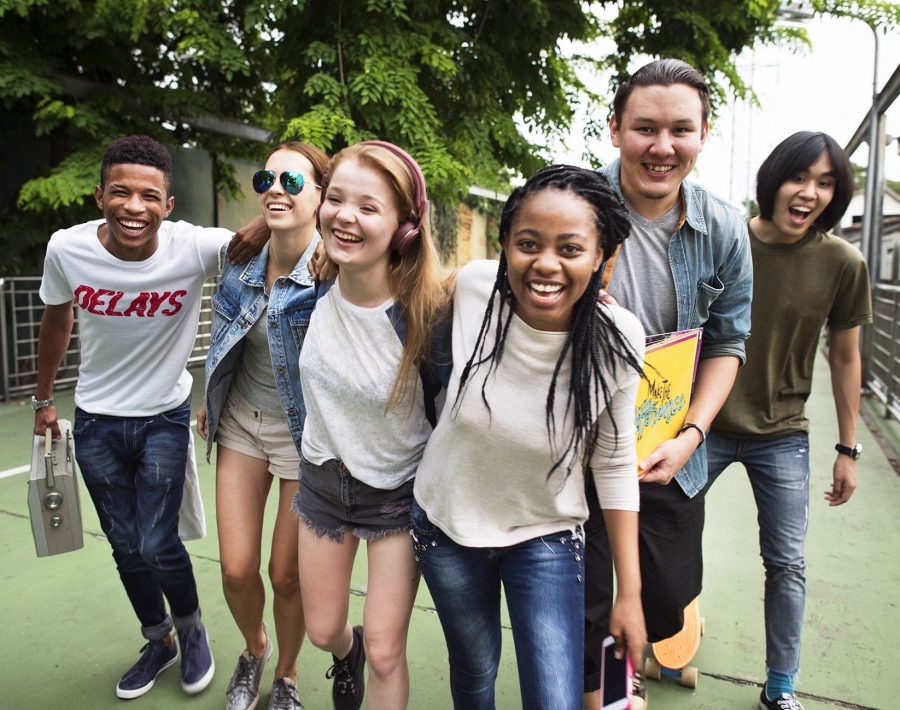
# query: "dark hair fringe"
593,339
796,154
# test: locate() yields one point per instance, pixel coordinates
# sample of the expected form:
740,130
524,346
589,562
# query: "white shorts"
249,431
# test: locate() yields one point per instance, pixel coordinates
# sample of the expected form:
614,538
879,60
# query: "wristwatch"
852,451
37,404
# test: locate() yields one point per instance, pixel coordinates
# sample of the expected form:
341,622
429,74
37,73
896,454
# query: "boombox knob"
52,500
56,520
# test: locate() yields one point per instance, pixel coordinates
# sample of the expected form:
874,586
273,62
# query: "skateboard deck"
671,656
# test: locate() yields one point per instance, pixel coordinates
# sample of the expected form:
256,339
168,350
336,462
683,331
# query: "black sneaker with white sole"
786,701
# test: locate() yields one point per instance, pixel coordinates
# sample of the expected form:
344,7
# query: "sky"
827,87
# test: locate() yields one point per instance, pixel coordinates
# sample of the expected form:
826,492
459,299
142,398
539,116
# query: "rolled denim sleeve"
728,326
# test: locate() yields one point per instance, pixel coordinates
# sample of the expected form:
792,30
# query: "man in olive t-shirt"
804,279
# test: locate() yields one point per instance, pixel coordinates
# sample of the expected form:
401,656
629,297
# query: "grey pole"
869,198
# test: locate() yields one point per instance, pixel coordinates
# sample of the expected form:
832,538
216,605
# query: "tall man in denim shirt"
686,265
137,280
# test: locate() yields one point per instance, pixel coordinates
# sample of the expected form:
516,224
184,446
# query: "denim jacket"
237,305
709,256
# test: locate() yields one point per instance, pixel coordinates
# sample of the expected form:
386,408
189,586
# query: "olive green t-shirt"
818,281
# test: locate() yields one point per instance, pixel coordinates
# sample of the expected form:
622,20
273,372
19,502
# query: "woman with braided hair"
541,395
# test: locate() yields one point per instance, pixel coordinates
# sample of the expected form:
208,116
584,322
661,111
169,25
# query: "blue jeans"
778,470
543,581
133,468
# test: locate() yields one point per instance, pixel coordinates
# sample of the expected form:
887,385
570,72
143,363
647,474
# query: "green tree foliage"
88,71
464,85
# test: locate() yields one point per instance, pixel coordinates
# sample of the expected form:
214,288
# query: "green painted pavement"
69,632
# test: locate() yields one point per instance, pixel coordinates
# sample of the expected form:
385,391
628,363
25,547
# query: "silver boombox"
53,494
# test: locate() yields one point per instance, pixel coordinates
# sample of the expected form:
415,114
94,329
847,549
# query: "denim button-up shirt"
237,305
709,256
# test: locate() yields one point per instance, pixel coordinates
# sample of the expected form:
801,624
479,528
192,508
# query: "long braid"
593,340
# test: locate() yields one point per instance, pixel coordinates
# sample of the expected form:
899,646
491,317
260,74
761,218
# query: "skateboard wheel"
690,676
652,669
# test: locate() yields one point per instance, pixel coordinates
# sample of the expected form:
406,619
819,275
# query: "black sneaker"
348,674
197,664
284,696
155,658
638,692
787,701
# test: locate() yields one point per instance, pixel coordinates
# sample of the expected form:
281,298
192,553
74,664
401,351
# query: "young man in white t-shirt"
137,280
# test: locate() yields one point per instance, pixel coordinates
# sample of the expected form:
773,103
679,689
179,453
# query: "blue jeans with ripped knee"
133,468
778,470
543,582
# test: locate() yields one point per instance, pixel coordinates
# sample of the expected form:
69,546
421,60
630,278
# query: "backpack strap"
322,287
606,267
435,372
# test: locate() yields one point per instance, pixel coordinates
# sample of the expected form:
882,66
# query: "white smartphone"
615,678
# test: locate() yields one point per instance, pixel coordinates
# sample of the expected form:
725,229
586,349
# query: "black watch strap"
852,451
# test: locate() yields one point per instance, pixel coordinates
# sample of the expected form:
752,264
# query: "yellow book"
664,394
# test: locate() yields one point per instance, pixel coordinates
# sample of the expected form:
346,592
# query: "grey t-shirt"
255,379
642,279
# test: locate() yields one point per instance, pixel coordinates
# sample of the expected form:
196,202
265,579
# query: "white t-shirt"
138,319
348,363
483,476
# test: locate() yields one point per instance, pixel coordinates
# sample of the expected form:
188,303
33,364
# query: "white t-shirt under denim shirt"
483,477
348,364
138,319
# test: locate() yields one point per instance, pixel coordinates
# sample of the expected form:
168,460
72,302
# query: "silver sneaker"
284,696
243,689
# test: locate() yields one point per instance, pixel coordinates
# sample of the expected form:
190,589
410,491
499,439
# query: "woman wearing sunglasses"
254,410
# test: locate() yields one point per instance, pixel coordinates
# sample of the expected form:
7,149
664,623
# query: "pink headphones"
407,231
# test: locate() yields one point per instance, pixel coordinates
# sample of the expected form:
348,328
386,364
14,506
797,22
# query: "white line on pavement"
15,471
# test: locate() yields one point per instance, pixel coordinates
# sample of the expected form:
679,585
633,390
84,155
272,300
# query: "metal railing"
21,308
882,366
20,317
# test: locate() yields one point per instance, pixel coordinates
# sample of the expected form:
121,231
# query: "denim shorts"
331,502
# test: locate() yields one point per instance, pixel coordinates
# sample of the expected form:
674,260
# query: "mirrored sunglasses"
291,180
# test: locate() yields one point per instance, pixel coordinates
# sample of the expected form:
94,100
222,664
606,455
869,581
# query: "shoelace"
150,649
284,695
343,677
245,673
787,702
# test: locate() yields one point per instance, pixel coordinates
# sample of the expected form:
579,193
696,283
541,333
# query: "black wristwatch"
852,451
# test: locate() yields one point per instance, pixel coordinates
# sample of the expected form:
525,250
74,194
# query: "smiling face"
552,251
358,218
659,135
801,200
134,202
282,211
